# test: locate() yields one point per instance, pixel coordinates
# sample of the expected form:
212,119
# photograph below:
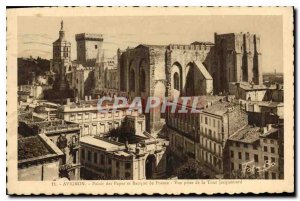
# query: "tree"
191,170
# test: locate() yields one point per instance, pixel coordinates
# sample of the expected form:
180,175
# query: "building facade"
254,153
88,46
92,122
106,75
184,128
165,71
38,159
65,135
217,123
237,59
137,159
83,81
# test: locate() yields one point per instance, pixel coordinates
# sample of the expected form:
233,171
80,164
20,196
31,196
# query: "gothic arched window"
132,80
176,81
142,81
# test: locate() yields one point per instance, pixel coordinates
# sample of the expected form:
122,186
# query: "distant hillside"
28,66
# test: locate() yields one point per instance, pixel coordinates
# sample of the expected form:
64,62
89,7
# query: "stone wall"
41,172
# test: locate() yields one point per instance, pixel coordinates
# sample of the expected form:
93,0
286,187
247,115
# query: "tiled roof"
272,133
202,101
219,108
32,147
248,134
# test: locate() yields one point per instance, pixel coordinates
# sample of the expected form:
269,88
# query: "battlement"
193,46
89,36
85,68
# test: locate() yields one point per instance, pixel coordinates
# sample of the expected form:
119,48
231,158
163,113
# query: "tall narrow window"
176,81
132,80
143,80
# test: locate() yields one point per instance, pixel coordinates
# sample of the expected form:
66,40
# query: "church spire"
61,32
62,25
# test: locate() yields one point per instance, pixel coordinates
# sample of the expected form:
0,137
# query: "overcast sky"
36,34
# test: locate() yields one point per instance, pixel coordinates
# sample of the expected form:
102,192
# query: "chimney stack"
269,126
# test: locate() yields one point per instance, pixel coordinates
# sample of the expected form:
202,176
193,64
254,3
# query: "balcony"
212,138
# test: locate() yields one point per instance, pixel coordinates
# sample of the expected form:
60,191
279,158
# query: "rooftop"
50,127
220,108
203,101
250,87
267,103
202,43
248,134
271,133
31,147
94,36
36,148
100,143
151,46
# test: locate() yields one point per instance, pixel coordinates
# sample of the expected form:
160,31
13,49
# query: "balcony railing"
211,137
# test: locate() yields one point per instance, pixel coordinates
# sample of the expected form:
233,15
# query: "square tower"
237,59
88,46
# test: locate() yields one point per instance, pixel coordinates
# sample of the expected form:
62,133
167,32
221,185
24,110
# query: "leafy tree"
191,170
28,67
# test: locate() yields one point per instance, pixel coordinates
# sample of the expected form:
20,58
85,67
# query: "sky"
36,34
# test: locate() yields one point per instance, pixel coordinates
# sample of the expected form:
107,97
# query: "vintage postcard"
144,100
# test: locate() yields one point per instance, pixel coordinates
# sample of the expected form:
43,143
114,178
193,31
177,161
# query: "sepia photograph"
97,100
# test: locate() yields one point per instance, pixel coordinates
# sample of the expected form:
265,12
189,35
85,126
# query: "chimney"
68,101
277,86
90,97
269,126
86,98
265,129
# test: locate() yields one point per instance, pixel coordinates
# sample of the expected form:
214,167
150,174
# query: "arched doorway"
150,166
176,80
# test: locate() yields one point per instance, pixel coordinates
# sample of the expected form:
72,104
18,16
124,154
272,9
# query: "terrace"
50,127
36,148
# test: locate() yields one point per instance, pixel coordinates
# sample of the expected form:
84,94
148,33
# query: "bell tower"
61,63
61,51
